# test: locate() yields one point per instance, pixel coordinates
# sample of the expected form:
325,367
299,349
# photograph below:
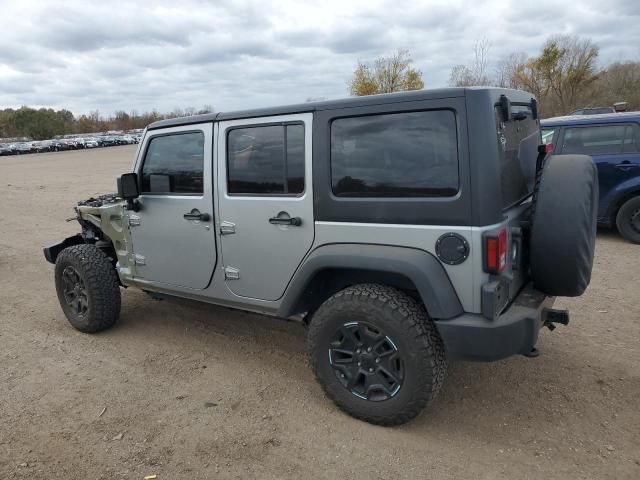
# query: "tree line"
564,76
45,123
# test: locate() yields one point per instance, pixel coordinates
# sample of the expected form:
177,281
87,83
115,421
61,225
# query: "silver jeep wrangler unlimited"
403,229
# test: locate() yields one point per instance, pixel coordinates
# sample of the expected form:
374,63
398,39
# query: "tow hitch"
552,316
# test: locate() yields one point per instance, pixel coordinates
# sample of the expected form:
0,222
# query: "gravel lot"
194,391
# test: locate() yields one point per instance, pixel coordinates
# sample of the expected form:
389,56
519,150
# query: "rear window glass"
518,143
411,154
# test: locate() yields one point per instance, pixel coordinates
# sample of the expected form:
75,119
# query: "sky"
235,54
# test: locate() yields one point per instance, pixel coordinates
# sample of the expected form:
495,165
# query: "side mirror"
128,190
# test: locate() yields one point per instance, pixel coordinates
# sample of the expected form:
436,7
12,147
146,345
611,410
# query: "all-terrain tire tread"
101,282
414,321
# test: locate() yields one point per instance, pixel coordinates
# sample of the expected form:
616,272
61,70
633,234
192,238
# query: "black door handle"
293,221
626,165
196,215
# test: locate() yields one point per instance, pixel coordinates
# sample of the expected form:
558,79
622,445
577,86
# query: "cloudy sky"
231,54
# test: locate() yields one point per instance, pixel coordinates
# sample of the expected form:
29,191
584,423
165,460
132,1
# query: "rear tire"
563,225
628,220
376,354
88,288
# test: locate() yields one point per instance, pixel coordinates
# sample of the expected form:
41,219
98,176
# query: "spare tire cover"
563,228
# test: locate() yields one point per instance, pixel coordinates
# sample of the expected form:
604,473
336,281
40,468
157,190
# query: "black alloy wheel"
74,291
366,361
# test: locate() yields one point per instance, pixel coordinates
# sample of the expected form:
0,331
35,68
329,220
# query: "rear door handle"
293,221
626,165
196,215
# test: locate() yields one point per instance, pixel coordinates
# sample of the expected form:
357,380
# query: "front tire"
376,353
628,220
87,287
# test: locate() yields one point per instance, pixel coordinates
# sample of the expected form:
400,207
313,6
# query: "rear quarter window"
600,139
409,154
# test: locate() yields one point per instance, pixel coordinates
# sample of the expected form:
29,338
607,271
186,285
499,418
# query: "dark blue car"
613,141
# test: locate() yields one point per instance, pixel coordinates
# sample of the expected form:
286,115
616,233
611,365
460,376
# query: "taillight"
495,251
545,148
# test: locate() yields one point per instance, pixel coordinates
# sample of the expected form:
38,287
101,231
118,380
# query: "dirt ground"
190,391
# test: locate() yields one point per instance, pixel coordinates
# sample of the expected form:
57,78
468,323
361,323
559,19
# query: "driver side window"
174,165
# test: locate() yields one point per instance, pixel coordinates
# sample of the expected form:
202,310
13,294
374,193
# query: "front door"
173,235
266,202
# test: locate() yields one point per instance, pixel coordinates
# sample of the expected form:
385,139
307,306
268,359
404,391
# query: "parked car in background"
72,143
90,143
21,148
58,145
5,150
613,141
42,146
593,111
109,141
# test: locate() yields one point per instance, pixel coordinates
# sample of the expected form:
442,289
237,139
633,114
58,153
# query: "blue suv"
613,141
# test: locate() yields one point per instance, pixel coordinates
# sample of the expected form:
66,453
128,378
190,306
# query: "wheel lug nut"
377,360
359,363
369,349
371,369
358,351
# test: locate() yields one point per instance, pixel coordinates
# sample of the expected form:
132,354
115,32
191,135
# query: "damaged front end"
105,224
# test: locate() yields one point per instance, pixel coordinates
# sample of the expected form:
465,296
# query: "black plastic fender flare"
420,267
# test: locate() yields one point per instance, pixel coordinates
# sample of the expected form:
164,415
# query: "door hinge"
227,228
134,220
231,273
139,259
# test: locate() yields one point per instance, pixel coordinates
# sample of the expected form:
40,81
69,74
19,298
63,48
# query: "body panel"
169,248
266,255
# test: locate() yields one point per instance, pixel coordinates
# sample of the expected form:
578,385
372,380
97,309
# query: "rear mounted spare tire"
563,226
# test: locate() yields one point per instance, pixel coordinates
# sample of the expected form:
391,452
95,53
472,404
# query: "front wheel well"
329,281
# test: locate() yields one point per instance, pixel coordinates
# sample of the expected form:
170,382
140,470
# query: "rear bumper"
474,337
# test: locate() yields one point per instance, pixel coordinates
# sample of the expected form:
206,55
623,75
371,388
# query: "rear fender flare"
421,268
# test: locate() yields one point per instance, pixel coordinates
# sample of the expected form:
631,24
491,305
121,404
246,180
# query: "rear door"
614,149
266,201
173,235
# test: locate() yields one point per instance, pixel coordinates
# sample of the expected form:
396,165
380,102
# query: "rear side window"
266,160
594,140
411,154
174,164
518,143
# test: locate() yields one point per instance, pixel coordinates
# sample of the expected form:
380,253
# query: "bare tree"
507,68
476,73
618,82
387,74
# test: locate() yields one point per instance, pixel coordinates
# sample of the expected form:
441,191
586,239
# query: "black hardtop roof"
385,98
312,106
